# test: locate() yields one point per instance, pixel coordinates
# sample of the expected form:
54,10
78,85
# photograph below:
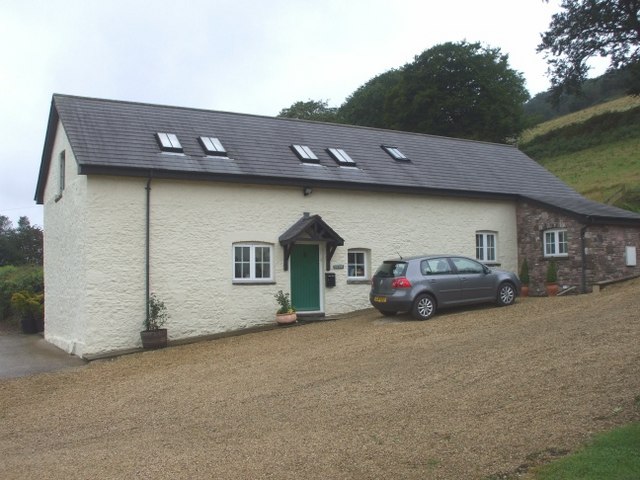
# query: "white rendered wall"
64,252
193,228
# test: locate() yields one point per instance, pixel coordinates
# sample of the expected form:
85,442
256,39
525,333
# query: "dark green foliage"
27,278
552,272
460,90
368,105
157,314
29,307
599,130
284,301
585,29
594,91
21,245
317,110
524,272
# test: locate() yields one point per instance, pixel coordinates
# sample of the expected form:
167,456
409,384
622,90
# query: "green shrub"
524,272
27,279
552,272
27,304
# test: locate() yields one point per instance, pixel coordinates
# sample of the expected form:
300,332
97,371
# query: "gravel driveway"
471,394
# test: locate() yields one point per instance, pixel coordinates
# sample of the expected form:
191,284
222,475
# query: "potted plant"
552,279
286,313
30,307
524,278
153,336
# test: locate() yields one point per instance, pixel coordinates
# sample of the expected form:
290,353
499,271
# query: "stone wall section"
605,248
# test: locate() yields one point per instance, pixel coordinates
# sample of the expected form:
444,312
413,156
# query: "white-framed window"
555,243
486,246
252,263
357,264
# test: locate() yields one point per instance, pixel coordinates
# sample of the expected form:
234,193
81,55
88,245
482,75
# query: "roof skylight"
212,146
304,153
340,156
169,142
395,153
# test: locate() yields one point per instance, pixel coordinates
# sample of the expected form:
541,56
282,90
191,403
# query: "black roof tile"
119,137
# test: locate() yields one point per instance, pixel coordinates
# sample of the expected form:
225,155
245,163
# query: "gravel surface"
471,394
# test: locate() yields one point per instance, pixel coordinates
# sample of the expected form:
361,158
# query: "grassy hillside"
596,151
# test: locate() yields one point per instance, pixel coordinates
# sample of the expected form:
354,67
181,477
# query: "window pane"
491,247
439,266
242,267
550,243
262,262
562,242
467,266
479,246
356,264
217,145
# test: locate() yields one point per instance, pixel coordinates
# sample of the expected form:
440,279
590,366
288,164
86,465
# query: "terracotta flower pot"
524,291
552,289
286,318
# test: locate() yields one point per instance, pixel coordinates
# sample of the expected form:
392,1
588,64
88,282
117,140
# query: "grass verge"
613,455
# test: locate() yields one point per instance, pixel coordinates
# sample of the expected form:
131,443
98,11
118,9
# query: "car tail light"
400,282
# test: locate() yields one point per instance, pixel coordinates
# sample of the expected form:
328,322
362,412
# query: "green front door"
305,277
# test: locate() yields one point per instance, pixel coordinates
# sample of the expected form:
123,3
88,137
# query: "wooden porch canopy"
313,228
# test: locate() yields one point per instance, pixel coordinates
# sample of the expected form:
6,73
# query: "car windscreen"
392,269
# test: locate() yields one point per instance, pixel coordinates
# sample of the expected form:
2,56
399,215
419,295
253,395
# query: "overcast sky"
235,55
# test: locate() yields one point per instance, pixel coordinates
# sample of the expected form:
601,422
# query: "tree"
318,110
366,106
21,245
454,89
29,240
588,28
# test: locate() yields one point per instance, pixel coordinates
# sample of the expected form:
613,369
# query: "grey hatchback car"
421,285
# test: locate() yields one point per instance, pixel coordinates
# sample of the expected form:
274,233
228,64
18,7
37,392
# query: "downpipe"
148,247
583,249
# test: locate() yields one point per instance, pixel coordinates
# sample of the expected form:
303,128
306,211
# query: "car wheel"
424,307
506,294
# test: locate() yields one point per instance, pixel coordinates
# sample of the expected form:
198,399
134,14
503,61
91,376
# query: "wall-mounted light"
307,191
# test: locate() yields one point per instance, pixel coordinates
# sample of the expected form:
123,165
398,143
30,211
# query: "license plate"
380,299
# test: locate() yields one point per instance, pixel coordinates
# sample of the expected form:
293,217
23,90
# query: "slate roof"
118,138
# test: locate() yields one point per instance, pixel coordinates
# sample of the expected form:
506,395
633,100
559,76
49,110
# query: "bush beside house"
27,281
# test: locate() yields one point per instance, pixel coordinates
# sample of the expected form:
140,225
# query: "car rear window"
392,269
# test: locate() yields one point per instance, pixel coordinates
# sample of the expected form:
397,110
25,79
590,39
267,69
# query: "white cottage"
215,212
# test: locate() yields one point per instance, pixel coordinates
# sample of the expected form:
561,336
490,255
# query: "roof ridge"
276,118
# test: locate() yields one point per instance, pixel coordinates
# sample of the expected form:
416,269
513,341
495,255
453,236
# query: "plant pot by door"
524,291
552,289
286,318
153,339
